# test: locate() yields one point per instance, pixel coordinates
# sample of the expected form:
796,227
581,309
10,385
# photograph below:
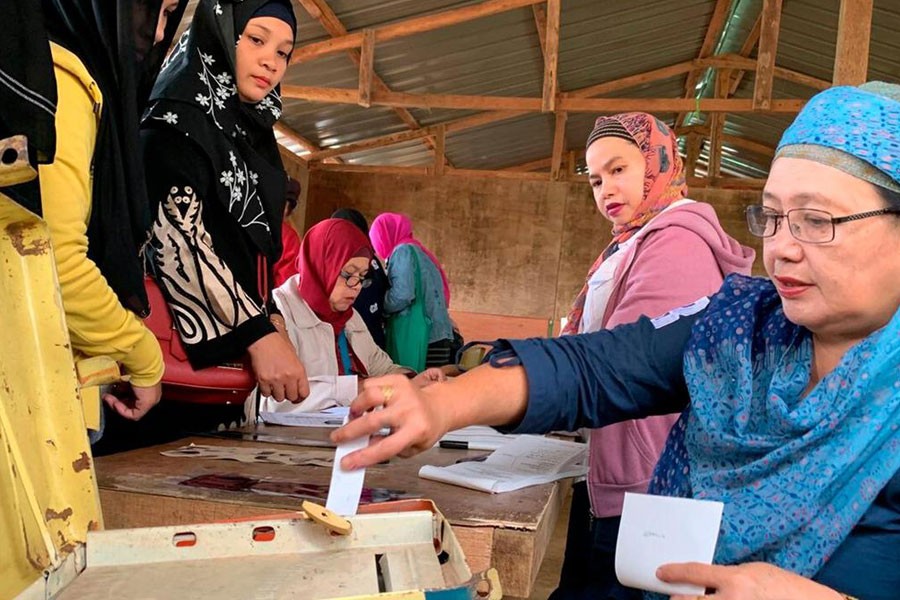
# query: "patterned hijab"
389,230
324,251
796,472
196,95
664,183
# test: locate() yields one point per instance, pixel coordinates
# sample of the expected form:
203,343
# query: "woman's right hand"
279,372
415,417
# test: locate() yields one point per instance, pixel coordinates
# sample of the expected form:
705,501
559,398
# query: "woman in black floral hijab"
217,187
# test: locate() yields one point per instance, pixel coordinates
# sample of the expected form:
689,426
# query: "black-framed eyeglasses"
353,280
809,225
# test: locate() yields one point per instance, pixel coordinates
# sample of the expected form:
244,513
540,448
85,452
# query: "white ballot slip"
657,530
346,486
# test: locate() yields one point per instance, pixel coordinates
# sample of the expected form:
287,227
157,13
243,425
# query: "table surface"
147,471
509,531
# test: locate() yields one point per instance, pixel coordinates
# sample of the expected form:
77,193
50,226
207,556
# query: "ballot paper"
525,461
657,530
346,486
330,417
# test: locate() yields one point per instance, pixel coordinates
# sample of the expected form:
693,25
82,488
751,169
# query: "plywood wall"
509,247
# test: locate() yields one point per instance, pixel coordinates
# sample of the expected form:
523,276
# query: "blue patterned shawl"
795,472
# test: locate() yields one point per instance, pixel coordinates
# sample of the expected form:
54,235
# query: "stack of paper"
527,460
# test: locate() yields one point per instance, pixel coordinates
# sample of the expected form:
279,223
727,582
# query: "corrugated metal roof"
500,55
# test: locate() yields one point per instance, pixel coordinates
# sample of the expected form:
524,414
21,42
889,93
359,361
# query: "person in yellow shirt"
93,194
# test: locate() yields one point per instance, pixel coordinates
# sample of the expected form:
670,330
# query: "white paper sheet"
330,417
524,461
346,486
657,530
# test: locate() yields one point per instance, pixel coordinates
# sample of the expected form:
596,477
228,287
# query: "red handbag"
220,384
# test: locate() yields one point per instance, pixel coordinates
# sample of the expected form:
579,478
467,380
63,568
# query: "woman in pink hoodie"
666,252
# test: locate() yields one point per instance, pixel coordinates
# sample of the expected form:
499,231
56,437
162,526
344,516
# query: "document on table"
657,530
525,461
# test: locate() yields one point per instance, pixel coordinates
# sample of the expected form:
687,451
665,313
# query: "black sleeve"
199,255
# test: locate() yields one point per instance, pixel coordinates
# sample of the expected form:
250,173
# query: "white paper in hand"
657,530
346,486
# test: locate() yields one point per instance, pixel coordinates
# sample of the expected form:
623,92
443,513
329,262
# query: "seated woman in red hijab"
330,337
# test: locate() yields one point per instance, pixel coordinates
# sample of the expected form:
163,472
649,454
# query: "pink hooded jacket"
681,255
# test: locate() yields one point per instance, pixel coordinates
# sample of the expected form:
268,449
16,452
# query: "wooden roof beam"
321,11
551,57
559,146
540,23
532,165
409,27
746,50
525,105
713,32
851,61
765,56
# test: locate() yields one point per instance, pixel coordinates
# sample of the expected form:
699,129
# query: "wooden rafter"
440,140
540,23
745,51
486,118
851,61
523,104
321,11
722,182
366,68
765,56
713,32
551,57
409,27
737,62
559,146
532,165
717,129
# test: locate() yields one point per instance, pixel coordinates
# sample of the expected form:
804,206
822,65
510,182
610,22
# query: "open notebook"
522,462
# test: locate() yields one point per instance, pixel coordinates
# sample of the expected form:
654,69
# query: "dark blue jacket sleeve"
596,379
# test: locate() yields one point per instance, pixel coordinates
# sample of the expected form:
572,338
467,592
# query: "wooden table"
509,531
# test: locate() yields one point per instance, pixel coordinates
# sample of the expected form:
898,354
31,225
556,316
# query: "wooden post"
717,129
551,57
694,143
559,146
366,68
440,142
765,62
851,61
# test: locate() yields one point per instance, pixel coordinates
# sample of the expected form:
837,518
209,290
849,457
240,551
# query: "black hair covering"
27,84
354,216
196,96
113,39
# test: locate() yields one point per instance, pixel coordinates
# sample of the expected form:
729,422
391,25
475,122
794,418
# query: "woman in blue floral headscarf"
789,386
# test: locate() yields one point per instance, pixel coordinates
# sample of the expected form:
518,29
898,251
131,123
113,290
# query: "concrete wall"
510,247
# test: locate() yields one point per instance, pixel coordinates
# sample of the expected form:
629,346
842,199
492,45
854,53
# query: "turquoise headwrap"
856,130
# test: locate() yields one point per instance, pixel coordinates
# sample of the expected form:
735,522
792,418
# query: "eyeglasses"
808,225
353,280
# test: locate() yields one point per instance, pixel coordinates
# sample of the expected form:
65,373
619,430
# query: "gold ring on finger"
388,392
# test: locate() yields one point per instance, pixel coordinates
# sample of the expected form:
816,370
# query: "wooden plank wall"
510,247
